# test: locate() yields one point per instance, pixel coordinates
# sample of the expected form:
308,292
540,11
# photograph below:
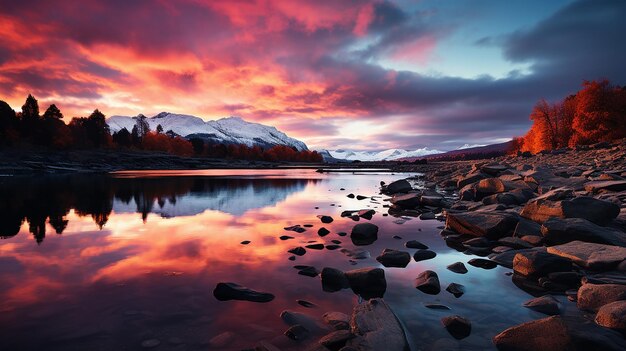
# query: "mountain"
229,130
385,155
469,153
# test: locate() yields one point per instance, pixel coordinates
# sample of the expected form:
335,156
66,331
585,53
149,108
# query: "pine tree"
53,112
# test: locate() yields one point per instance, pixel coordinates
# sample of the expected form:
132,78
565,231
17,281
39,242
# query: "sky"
352,74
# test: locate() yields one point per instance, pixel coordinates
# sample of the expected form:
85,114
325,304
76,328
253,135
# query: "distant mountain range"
468,153
385,155
230,130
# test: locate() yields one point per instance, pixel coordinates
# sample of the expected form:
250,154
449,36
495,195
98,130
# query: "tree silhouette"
159,129
142,125
53,112
8,125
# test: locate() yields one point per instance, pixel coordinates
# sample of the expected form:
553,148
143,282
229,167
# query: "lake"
110,262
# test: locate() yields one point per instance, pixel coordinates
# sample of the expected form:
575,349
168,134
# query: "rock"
232,291
394,258
309,271
357,254
323,232
428,282
297,332
493,170
456,289
613,315
469,179
364,234
410,200
150,343
422,255
325,219
308,322
559,333
560,231
315,246
297,251
482,263
333,280
399,186
457,267
540,264
546,304
427,216
376,327
367,282
526,227
490,225
436,306
513,242
591,255
609,185
593,296
285,237
414,244
589,208
337,320
306,303
489,186
457,326
361,197
296,228
505,259
245,242
336,339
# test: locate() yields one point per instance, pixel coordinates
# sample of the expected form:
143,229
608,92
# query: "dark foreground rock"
367,282
539,264
376,327
591,255
364,234
394,258
546,304
589,208
233,291
428,283
333,280
457,326
613,315
487,224
558,333
560,231
593,296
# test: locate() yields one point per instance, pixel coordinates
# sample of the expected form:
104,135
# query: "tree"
97,129
197,144
143,127
159,129
53,112
29,117
8,125
123,138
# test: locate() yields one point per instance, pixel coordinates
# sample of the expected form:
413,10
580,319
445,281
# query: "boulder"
456,289
422,255
493,170
376,327
469,179
526,227
489,186
336,339
410,200
325,219
457,326
367,282
558,333
560,231
337,320
589,208
482,263
613,315
394,258
414,244
428,282
539,263
233,291
333,280
505,259
590,255
487,224
608,185
457,267
546,304
364,234
399,186
593,296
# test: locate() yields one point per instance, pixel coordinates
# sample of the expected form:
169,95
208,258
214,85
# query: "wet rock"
613,315
309,271
367,282
589,208
310,323
593,296
233,291
297,251
414,244
422,255
469,179
306,303
394,258
560,231
456,289
367,214
591,255
376,327
546,304
336,340
487,224
332,247
609,185
361,197
428,282
337,320
457,267
357,254
540,263
315,246
351,196
410,200
399,186
364,234
457,326
285,237
245,242
325,219
559,333
323,232
296,228
515,243
482,263
436,306
489,186
493,170
333,280
427,216
297,332
505,259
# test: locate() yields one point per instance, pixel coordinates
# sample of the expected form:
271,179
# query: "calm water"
104,263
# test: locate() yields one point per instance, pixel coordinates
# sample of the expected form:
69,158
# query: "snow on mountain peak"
229,130
384,155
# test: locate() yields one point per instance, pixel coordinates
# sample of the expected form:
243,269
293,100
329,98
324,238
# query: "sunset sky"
356,74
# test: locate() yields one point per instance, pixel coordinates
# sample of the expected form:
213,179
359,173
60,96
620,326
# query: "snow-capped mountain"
385,155
230,130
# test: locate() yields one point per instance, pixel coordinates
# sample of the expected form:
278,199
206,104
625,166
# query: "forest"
30,129
596,113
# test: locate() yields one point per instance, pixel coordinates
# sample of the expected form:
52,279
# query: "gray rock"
456,289
593,296
469,179
482,263
394,258
558,333
376,328
560,231
410,200
591,255
505,259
